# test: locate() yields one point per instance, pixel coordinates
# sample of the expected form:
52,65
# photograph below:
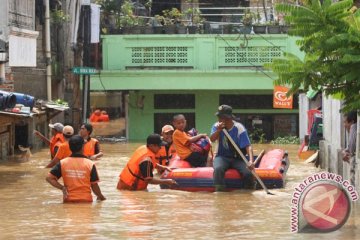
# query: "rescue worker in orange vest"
138,172
56,139
95,116
79,175
168,151
64,148
104,117
92,146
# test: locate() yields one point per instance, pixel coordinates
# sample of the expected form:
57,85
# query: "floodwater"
32,209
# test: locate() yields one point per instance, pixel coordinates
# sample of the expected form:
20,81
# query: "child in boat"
168,151
183,143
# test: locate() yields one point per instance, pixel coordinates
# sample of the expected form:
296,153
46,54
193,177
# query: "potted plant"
259,27
247,21
273,27
172,17
194,15
127,21
109,10
157,23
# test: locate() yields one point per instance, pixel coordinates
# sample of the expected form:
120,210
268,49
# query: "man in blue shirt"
226,156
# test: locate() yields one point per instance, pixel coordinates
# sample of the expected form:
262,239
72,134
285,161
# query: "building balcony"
174,61
192,52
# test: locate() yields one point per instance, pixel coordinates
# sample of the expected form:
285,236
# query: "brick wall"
8,85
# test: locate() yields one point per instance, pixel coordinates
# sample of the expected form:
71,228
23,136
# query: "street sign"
85,70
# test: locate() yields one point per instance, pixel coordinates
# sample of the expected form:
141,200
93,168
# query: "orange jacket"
76,176
131,175
162,158
89,147
55,141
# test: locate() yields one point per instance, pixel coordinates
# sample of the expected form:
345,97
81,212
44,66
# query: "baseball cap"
155,139
57,126
68,130
225,111
167,128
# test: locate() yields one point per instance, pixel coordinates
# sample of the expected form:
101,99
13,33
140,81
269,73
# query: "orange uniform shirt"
78,174
181,141
63,151
55,141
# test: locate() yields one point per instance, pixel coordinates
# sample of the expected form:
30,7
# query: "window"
161,119
251,101
174,101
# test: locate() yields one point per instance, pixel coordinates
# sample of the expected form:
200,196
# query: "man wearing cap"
138,172
64,148
79,174
226,156
56,139
92,145
168,151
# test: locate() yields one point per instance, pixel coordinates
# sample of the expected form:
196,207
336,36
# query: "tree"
330,39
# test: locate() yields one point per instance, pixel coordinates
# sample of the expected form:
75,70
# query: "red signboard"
280,100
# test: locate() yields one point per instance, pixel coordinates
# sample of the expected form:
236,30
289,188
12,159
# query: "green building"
194,74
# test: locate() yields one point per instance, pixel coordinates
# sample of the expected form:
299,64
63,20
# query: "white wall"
333,136
303,119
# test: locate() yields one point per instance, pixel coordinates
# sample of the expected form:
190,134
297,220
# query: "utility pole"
48,49
86,10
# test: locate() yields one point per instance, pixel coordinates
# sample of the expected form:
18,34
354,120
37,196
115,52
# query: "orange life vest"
63,151
76,176
94,118
162,158
131,175
55,141
104,118
89,147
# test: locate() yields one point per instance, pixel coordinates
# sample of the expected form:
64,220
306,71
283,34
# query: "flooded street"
32,209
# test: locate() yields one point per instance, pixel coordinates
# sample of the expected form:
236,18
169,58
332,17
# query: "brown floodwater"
32,209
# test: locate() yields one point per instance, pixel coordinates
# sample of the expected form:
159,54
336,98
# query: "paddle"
259,157
246,162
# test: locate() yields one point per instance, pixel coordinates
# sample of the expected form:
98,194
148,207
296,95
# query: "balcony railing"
197,52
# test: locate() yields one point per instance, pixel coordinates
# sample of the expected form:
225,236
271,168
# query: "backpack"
202,145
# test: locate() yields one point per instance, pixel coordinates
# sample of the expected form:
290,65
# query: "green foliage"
330,38
286,140
257,135
195,15
248,18
127,17
109,6
172,16
59,17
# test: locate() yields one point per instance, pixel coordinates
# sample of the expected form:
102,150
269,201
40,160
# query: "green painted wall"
206,104
182,80
204,65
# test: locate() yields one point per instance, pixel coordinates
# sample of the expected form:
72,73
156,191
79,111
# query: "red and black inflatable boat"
271,168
